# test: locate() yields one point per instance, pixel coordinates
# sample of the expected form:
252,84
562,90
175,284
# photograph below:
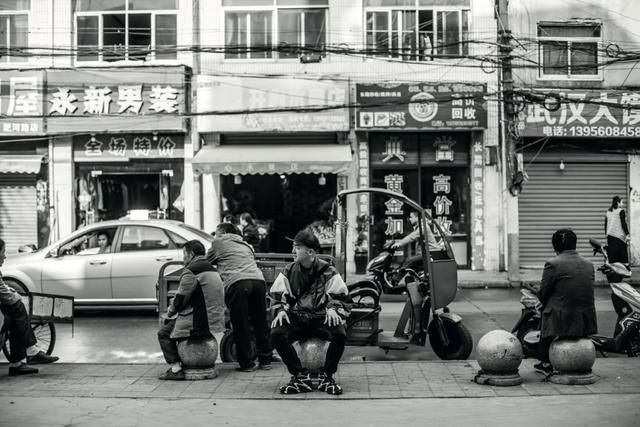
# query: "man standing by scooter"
567,296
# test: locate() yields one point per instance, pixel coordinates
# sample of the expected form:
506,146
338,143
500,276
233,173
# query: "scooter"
626,302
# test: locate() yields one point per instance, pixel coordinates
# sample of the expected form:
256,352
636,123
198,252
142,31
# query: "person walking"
245,295
615,227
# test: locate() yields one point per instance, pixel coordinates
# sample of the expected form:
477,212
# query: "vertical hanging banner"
477,191
363,177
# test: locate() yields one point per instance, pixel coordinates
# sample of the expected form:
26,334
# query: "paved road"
118,336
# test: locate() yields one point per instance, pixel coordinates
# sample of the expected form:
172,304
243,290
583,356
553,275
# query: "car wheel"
18,286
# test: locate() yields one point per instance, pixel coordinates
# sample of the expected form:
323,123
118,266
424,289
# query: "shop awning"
20,163
273,159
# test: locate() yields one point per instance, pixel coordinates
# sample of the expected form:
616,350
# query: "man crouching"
199,305
310,301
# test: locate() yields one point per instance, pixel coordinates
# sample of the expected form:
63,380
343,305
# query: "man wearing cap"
310,301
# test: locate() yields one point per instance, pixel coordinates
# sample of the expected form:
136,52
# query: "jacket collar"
199,264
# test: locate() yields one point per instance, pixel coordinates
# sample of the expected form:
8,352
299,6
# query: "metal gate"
18,211
576,197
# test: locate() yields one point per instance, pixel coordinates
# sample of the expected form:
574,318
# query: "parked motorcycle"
626,303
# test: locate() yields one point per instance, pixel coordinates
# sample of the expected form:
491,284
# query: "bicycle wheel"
45,334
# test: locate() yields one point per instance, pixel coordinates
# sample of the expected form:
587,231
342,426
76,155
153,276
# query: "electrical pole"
509,131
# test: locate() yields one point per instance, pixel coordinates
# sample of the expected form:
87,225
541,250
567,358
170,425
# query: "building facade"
578,125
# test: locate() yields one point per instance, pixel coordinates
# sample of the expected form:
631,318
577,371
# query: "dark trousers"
168,346
18,324
617,250
282,338
246,300
543,348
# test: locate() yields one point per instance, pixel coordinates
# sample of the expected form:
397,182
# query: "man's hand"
332,318
395,246
280,319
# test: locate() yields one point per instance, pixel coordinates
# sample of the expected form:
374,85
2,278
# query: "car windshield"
197,232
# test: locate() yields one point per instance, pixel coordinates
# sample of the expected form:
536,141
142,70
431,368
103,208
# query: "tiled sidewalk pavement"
368,380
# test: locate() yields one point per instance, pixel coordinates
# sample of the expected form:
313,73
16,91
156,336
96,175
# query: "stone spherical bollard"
499,356
312,352
572,360
198,356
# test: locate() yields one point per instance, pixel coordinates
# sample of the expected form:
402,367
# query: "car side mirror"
53,253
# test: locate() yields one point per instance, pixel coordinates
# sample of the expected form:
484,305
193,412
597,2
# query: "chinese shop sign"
584,114
122,148
394,220
441,203
21,103
421,106
477,192
103,100
363,177
279,104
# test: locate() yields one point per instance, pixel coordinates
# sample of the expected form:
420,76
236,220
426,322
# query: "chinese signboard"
584,114
255,104
442,203
21,103
394,220
123,148
363,177
117,99
421,106
477,194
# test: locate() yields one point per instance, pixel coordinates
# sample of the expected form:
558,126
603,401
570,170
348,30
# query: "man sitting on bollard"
199,305
310,300
22,341
567,296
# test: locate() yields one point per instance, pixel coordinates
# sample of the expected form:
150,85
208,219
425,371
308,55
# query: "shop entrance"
282,205
124,192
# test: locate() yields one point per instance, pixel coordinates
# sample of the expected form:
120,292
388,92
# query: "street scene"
305,212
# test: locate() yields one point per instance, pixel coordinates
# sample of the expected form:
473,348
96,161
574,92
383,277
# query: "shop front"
576,158
271,153
24,179
423,141
128,132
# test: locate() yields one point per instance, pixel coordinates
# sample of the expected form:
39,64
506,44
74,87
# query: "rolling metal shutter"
576,197
18,211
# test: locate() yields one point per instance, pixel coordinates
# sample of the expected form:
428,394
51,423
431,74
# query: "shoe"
23,369
250,368
329,385
300,383
543,368
264,366
41,358
169,375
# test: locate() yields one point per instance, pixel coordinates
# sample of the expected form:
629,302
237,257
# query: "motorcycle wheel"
526,348
632,344
228,347
460,340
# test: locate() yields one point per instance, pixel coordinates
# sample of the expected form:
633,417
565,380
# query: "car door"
79,270
140,253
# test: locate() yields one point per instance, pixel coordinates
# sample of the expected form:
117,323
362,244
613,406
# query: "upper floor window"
569,50
254,27
412,30
134,30
14,28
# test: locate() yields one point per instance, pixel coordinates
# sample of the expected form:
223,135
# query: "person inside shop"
104,243
250,232
311,300
567,296
615,227
197,310
245,295
22,341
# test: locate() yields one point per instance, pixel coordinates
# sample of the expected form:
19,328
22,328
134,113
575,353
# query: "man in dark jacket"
310,300
245,295
198,304
567,296
22,340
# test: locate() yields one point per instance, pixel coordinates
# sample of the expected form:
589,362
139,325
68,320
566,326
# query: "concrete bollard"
499,357
198,357
312,353
572,360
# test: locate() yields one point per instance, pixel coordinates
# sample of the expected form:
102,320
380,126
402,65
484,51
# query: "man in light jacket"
245,295
22,340
198,304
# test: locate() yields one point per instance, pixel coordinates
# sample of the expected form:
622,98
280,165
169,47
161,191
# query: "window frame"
417,8
275,28
598,41
126,12
172,245
6,14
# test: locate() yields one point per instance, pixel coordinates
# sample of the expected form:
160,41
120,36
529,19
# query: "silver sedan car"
106,263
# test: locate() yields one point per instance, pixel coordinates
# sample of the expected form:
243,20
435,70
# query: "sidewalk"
360,380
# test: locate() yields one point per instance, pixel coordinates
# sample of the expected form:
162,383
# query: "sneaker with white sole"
329,385
300,383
